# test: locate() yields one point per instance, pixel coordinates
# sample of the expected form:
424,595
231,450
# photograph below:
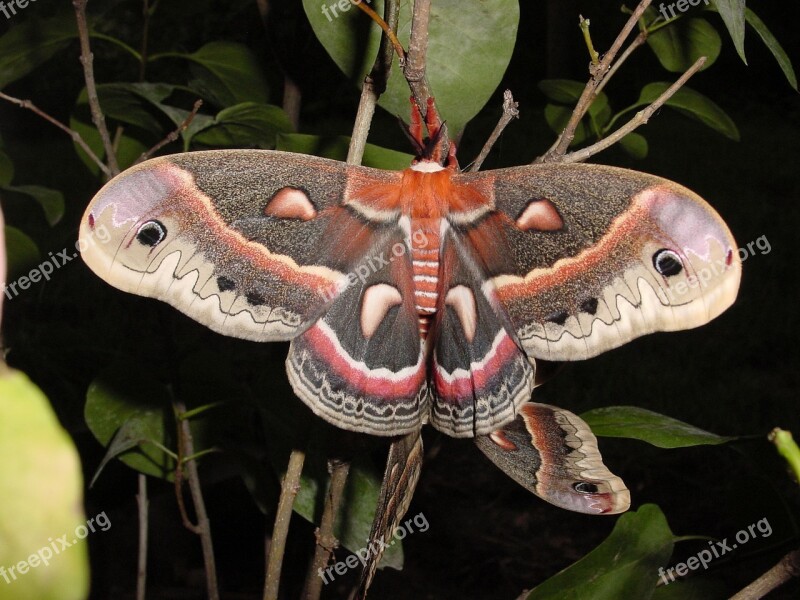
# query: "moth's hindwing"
553,453
585,258
362,366
479,375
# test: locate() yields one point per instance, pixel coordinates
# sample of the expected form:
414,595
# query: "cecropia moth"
423,295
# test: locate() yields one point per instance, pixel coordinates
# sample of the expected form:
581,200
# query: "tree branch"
598,72
415,69
87,60
141,571
786,569
76,137
374,86
510,112
203,527
289,488
640,119
326,539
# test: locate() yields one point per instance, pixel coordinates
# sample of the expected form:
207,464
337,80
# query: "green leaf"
21,252
563,91
773,45
229,73
128,149
693,104
41,497
732,13
567,91
245,125
51,201
33,42
641,424
557,118
336,147
128,102
625,565
635,145
126,402
6,169
679,44
469,47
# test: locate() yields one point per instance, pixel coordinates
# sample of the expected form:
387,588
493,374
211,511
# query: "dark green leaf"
6,169
21,252
640,424
635,145
51,201
336,148
133,103
245,125
125,401
567,91
557,118
130,103
625,565
563,91
128,149
732,13
32,43
463,74
693,104
230,75
678,45
773,45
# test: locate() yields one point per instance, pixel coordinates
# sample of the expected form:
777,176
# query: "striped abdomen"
425,260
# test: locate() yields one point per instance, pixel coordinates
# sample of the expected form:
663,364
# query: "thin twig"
388,29
173,135
587,37
637,41
87,60
415,69
141,571
374,85
510,112
203,527
289,488
76,137
292,100
326,539
640,118
598,73
786,569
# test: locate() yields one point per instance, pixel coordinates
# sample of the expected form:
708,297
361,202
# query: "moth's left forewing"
597,256
241,240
